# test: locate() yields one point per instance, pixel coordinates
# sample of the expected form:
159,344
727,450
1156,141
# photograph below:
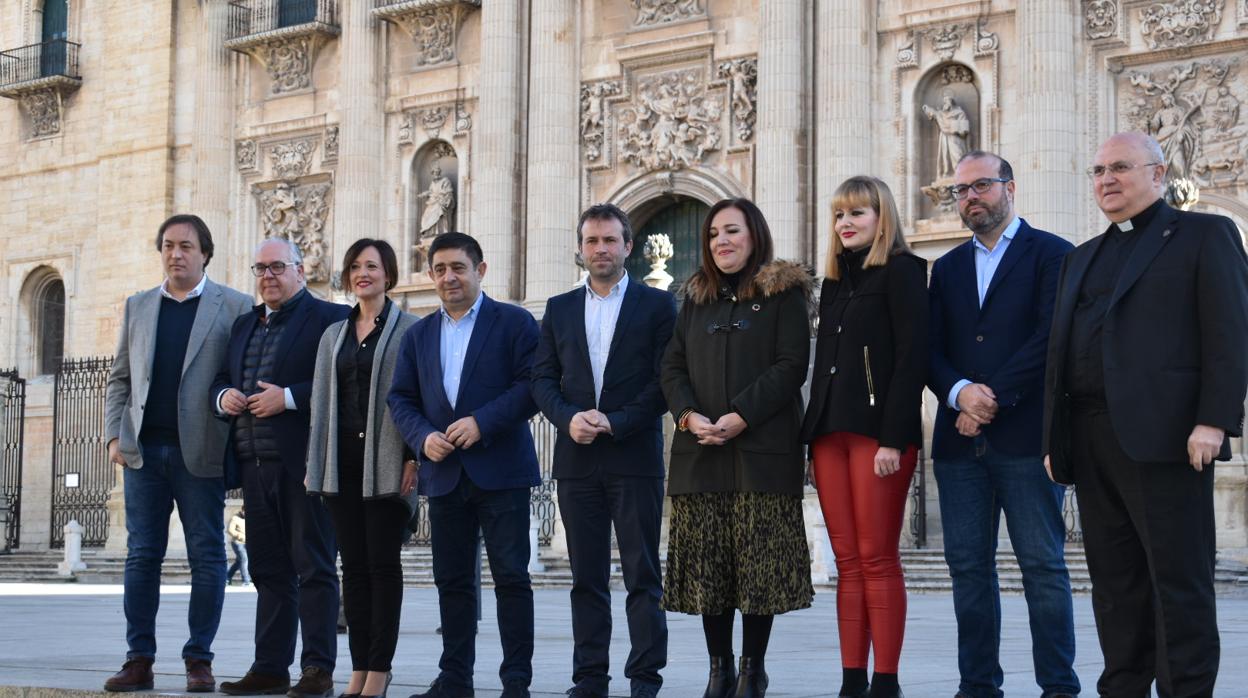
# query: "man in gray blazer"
159,424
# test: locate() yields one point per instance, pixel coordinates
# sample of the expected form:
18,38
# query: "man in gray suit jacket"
159,424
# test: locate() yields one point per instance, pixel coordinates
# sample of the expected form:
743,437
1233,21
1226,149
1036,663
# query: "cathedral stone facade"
327,120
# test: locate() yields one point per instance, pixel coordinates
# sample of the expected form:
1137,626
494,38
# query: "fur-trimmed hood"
772,279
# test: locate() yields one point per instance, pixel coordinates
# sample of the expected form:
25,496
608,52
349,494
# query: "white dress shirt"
193,293
454,347
601,314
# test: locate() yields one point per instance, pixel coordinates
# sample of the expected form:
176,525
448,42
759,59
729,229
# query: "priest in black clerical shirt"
1147,372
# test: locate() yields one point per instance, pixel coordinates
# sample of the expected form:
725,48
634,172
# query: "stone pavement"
71,636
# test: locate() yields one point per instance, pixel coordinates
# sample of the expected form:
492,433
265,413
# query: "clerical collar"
1141,219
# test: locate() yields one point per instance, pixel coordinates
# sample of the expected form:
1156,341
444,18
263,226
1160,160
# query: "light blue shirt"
986,263
454,347
601,314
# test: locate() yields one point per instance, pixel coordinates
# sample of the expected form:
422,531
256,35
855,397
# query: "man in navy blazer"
265,388
596,378
991,307
461,398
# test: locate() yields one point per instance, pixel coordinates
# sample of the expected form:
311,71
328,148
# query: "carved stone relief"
1100,18
742,74
297,212
907,52
947,40
1194,111
594,116
1180,23
433,120
463,121
435,173
948,112
246,155
331,145
671,122
289,63
986,42
433,32
652,12
43,110
292,159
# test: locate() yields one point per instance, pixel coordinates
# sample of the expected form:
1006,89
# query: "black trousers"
291,550
1148,530
589,506
370,537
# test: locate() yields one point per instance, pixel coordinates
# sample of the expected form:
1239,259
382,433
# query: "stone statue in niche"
955,130
1173,129
439,204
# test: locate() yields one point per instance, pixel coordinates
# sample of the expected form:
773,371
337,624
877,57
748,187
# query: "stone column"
497,219
780,183
553,161
844,41
212,158
357,202
1045,161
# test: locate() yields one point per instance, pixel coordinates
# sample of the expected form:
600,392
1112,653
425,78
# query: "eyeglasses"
981,186
276,267
1117,168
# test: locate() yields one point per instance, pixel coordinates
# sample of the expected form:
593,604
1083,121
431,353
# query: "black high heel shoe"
389,676
723,678
751,679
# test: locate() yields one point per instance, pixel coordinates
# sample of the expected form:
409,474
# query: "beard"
991,217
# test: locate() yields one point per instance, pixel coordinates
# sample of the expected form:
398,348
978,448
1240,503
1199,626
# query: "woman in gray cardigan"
358,462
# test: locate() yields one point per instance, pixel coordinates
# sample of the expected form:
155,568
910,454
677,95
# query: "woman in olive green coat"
732,376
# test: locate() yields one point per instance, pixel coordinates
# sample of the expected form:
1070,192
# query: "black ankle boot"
854,684
752,679
723,678
884,686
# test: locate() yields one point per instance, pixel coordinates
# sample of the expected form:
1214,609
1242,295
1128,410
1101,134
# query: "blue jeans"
973,493
150,493
502,516
239,564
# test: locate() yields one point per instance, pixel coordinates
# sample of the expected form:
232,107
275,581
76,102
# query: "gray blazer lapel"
143,339
205,318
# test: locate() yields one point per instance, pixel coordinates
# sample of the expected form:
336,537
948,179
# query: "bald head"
1140,179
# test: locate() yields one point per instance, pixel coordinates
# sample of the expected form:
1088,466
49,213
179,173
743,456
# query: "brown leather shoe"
254,684
315,683
135,675
199,678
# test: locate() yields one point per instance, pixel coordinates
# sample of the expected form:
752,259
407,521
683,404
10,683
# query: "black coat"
1174,340
743,356
871,355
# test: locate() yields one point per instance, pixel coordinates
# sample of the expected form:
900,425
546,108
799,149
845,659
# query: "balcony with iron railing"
256,22
396,8
51,64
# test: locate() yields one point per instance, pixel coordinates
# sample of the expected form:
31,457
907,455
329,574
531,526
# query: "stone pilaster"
211,144
357,203
780,155
497,220
553,162
1047,156
844,42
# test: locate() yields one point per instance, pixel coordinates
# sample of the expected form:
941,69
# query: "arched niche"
434,186
43,319
947,106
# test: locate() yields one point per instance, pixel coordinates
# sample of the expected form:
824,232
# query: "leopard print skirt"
737,550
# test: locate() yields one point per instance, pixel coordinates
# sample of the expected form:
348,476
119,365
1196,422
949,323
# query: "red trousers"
863,513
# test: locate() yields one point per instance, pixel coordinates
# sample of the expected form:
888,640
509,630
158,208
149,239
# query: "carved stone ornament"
956,73
331,144
986,42
1100,18
246,155
672,122
297,212
1180,23
463,121
742,73
658,250
292,159
43,109
948,39
907,52
289,63
433,32
651,12
1193,109
594,116
432,119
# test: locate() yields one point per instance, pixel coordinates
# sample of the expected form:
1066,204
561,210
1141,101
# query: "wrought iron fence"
1070,512
918,504
541,501
57,57
12,422
81,474
249,17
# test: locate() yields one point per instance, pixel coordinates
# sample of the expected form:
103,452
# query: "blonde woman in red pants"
863,422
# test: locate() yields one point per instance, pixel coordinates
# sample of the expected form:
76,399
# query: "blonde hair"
862,191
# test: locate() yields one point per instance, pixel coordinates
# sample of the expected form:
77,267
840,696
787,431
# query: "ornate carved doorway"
678,217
